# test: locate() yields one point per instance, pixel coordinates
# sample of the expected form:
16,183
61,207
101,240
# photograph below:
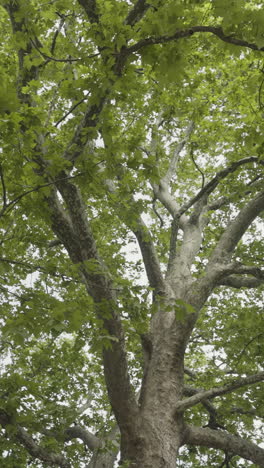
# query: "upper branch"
214,392
25,73
210,186
182,33
150,258
91,10
161,189
89,122
210,408
73,229
171,170
224,441
235,230
3,189
137,12
146,245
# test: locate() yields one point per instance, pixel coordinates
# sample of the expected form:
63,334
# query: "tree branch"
73,229
239,282
58,30
90,8
235,230
78,432
143,236
13,202
253,412
217,391
216,204
176,153
25,74
161,189
101,458
4,189
137,12
236,280
180,34
210,186
36,451
224,441
89,122
150,258
70,111
210,408
54,59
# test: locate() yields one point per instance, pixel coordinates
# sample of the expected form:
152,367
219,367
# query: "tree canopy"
131,221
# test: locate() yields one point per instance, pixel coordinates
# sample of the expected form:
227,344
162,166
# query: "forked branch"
211,186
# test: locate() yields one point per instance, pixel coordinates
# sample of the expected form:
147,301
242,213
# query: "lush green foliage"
53,64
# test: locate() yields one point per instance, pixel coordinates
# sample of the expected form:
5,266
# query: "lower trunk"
156,446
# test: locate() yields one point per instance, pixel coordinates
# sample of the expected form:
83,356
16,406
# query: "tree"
131,145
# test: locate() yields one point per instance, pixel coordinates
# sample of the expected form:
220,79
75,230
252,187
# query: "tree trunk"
157,444
160,431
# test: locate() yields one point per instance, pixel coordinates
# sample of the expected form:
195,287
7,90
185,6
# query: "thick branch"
236,280
150,258
239,282
143,236
25,74
180,34
137,12
224,441
73,229
192,240
236,229
161,189
217,204
89,7
22,436
214,392
78,432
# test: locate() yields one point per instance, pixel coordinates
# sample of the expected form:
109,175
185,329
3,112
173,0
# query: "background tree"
132,192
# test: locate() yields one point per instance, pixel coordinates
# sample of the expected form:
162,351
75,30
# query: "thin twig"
11,204
197,167
156,213
70,111
68,60
214,182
